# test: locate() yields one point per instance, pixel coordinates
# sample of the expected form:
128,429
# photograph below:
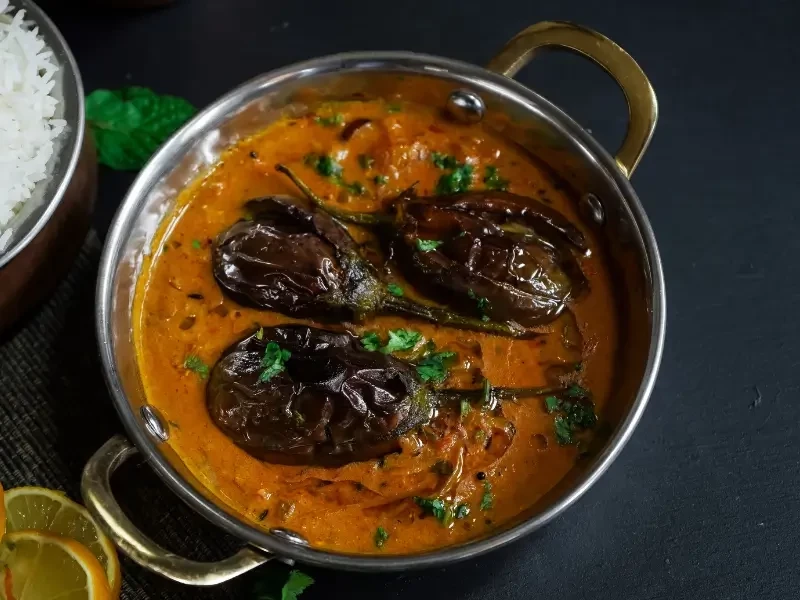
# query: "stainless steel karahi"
599,181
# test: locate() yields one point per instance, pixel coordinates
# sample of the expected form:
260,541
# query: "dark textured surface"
704,503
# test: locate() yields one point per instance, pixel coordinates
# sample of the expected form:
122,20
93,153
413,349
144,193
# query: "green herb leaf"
435,367
563,430
333,121
380,179
295,585
460,180
482,303
324,165
381,537
394,107
196,364
480,436
493,180
433,506
371,341
196,244
552,403
260,333
428,245
356,187
487,392
365,161
130,124
462,510
487,500
576,391
394,289
273,361
465,407
401,339
444,161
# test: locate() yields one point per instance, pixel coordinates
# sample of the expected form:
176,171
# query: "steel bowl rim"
371,61
70,68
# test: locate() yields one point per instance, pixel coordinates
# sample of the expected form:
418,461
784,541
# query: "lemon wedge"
43,566
49,511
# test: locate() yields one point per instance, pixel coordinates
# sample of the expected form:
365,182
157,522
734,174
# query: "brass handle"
99,499
642,103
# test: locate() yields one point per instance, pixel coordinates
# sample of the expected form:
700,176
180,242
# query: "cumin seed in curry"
446,364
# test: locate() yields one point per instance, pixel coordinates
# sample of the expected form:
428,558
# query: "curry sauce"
370,506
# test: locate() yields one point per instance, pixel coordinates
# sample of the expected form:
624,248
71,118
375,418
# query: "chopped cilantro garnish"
356,187
563,430
459,180
433,506
394,289
465,407
552,403
324,165
380,179
365,161
462,510
332,121
381,537
435,367
196,244
480,436
401,339
394,107
273,361
487,500
576,412
444,161
428,245
576,391
196,364
493,180
260,333
371,341
481,302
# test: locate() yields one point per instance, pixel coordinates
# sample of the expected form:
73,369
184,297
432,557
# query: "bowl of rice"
48,171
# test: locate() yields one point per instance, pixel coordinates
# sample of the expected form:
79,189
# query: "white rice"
27,108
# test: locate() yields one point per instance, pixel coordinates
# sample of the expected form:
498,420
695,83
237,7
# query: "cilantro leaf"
380,179
433,506
444,161
401,339
428,245
295,585
260,333
128,125
381,537
394,289
394,107
487,500
576,412
462,510
196,244
493,180
552,403
365,161
563,430
371,341
324,165
435,366
196,364
333,121
483,303
460,180
273,361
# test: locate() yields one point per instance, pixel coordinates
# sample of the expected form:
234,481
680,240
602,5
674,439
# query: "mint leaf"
273,361
428,245
128,125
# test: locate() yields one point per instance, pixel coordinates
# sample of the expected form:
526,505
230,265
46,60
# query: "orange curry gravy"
181,311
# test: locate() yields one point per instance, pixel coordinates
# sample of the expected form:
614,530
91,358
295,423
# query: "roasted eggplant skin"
499,255
296,260
334,403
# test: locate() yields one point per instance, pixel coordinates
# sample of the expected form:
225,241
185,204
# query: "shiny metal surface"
513,110
290,536
99,500
466,106
154,423
68,90
591,207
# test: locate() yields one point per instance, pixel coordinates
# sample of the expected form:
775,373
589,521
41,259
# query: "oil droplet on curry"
460,477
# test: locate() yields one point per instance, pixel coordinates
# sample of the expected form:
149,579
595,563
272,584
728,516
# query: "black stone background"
704,502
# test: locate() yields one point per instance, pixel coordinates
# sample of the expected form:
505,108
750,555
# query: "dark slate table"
705,500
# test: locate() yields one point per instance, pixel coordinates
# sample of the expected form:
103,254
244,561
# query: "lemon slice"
43,566
50,511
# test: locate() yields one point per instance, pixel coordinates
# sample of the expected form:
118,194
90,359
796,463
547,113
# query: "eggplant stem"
443,316
358,218
500,393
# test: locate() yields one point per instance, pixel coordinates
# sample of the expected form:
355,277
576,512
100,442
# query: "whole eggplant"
489,254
